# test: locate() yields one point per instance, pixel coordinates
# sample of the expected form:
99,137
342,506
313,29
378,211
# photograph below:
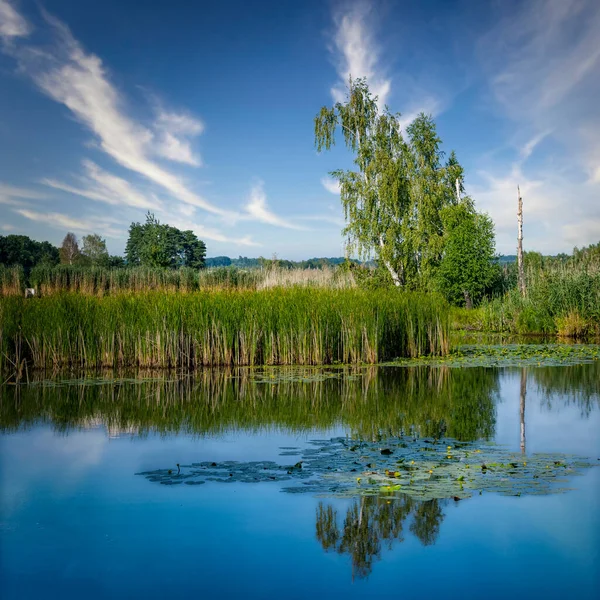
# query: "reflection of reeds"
274,327
574,384
372,402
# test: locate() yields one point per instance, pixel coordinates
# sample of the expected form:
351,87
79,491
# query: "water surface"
76,520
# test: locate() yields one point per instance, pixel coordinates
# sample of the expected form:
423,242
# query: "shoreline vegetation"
161,329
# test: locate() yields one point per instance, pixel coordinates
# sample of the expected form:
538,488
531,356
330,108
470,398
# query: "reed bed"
12,281
100,281
280,326
336,279
560,302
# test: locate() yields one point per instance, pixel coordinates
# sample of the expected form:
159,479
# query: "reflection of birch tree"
370,521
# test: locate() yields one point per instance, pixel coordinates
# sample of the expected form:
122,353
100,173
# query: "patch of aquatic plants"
189,331
511,355
422,468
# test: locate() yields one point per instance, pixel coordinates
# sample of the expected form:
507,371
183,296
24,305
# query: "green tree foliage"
69,250
22,250
218,261
394,199
156,244
94,250
467,269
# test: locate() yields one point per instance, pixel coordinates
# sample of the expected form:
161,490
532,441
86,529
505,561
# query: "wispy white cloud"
527,149
355,51
548,226
173,133
103,186
108,226
542,60
7,227
184,219
257,209
338,221
77,79
9,191
12,24
331,185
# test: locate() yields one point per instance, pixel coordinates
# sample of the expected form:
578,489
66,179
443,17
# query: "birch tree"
393,198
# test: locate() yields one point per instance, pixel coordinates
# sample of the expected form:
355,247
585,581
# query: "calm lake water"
76,521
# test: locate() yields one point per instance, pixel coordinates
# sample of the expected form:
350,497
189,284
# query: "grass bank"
171,330
559,303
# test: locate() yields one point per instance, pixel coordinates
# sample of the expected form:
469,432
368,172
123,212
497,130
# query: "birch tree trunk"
396,277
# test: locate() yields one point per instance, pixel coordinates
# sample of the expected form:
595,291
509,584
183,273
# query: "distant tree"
94,250
69,250
155,244
243,262
218,261
468,267
115,261
192,251
22,250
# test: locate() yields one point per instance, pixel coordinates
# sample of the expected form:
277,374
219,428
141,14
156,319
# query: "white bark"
520,266
395,275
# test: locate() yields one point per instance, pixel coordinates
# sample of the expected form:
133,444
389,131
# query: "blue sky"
202,112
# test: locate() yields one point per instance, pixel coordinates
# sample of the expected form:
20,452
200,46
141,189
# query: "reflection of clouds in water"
37,456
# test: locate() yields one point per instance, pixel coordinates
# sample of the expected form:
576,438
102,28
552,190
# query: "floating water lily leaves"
424,469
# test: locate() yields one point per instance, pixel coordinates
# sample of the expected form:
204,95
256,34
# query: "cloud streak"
78,80
258,210
102,186
62,221
12,24
331,185
174,131
543,67
356,53
542,63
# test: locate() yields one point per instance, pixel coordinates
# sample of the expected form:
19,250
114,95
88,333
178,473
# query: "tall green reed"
227,327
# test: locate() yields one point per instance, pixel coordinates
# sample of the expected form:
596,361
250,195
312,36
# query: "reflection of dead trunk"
522,407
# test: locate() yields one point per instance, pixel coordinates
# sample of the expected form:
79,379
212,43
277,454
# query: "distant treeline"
243,262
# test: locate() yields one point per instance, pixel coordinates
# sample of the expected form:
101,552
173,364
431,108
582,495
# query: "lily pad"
425,469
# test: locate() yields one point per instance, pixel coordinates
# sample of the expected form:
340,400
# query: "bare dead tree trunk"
468,300
522,407
520,266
